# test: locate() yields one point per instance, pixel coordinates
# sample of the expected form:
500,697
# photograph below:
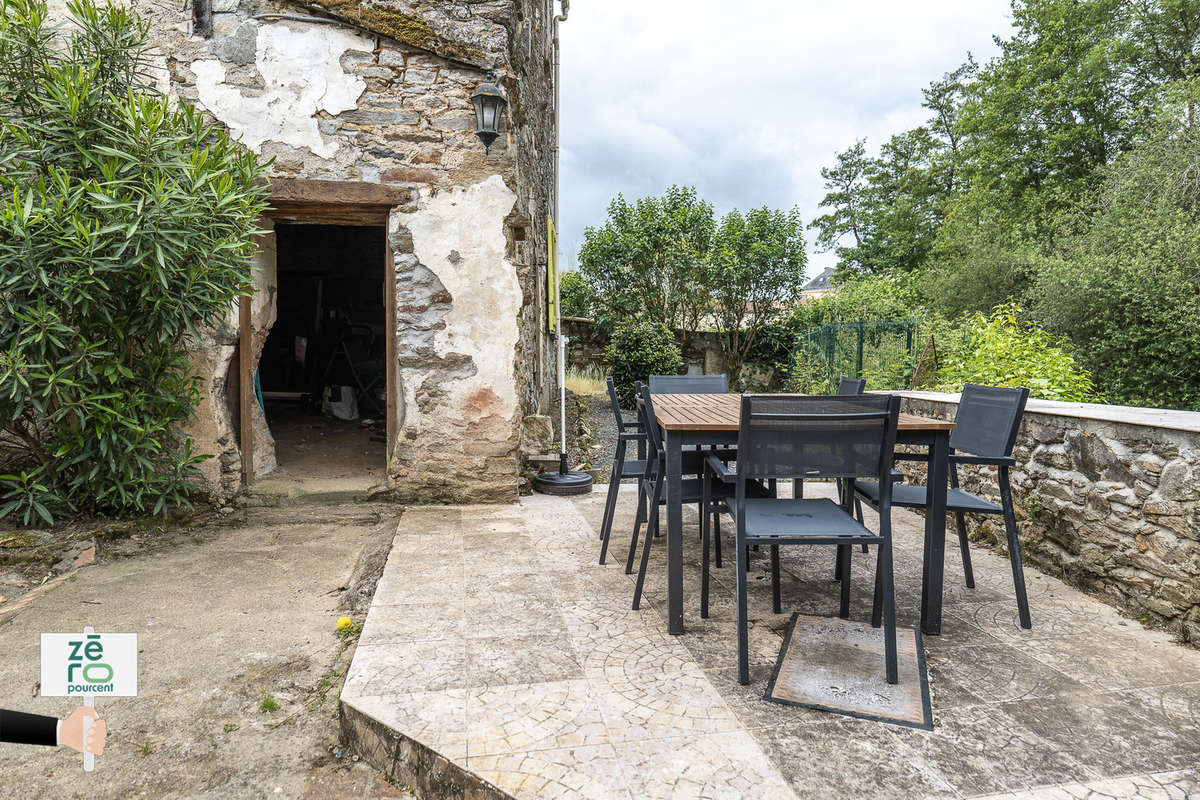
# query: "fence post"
858,365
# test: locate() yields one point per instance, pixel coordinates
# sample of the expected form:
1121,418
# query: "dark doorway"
322,371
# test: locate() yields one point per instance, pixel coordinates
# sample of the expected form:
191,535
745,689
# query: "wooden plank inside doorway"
246,395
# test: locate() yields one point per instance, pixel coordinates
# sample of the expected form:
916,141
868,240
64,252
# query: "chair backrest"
797,436
653,434
851,386
616,403
689,384
987,420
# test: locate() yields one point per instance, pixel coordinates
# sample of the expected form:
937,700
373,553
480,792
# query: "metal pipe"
566,10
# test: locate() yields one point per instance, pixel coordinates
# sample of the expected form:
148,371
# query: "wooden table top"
722,412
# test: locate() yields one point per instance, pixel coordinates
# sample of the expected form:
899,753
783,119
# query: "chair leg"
704,546
837,565
614,480
844,551
717,535
1014,550
742,631
877,597
610,503
642,568
889,610
776,603
964,547
642,513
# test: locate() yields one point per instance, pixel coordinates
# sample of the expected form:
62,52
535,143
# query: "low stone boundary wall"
1107,498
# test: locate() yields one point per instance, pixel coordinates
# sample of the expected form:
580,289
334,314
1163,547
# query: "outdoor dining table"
712,419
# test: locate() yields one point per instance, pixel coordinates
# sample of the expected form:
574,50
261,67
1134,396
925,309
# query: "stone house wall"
1107,498
378,93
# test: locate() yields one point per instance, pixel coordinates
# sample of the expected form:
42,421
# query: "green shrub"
1001,349
126,225
575,294
638,351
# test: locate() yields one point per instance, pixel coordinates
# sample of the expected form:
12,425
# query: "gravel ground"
598,446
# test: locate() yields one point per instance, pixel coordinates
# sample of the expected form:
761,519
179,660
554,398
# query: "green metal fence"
879,350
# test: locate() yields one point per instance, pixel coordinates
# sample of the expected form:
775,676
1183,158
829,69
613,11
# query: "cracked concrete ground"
244,611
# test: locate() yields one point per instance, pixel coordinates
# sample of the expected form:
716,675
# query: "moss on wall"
404,27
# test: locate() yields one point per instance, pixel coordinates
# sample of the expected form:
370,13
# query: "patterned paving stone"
498,641
541,716
659,705
413,622
578,773
723,766
981,749
506,660
403,668
992,673
1159,786
436,719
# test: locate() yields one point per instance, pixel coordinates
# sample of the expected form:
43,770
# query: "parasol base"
563,483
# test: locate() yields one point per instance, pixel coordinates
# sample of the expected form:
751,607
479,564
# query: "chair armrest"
723,472
994,461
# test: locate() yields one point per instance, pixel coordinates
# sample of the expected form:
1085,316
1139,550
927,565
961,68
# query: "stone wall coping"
1128,415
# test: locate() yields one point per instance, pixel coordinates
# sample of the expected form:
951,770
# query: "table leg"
674,533
935,535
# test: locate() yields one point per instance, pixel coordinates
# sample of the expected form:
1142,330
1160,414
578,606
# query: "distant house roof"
821,283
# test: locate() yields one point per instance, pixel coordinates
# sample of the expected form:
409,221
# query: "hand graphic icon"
71,733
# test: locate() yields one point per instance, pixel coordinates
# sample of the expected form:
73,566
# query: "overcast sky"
745,99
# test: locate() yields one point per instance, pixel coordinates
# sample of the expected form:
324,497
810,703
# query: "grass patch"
268,704
589,380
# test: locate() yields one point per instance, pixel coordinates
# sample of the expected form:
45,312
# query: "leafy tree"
1126,291
757,270
846,196
575,295
126,224
638,350
648,260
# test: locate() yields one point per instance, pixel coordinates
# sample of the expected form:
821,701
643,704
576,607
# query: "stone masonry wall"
379,93
1106,498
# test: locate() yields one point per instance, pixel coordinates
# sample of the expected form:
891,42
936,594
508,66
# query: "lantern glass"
489,105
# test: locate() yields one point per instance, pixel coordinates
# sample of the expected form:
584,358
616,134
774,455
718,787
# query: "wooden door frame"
297,201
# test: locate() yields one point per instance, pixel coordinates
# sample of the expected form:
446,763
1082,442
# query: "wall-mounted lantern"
489,105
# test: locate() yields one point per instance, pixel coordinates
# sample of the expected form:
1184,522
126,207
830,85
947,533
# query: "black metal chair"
986,426
783,437
846,387
689,384
627,431
692,490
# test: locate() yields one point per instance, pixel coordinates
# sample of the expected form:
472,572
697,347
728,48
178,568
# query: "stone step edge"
405,760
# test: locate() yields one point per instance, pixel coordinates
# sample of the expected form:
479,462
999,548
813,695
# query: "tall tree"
756,273
845,195
648,260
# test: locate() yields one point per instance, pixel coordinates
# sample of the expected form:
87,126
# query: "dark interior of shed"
321,373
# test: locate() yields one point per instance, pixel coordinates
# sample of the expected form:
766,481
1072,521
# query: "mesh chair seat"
802,520
633,469
908,496
691,490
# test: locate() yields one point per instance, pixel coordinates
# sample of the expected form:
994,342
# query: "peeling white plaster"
486,296
302,74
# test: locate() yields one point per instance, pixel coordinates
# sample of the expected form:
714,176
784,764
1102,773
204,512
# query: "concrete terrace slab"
500,660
